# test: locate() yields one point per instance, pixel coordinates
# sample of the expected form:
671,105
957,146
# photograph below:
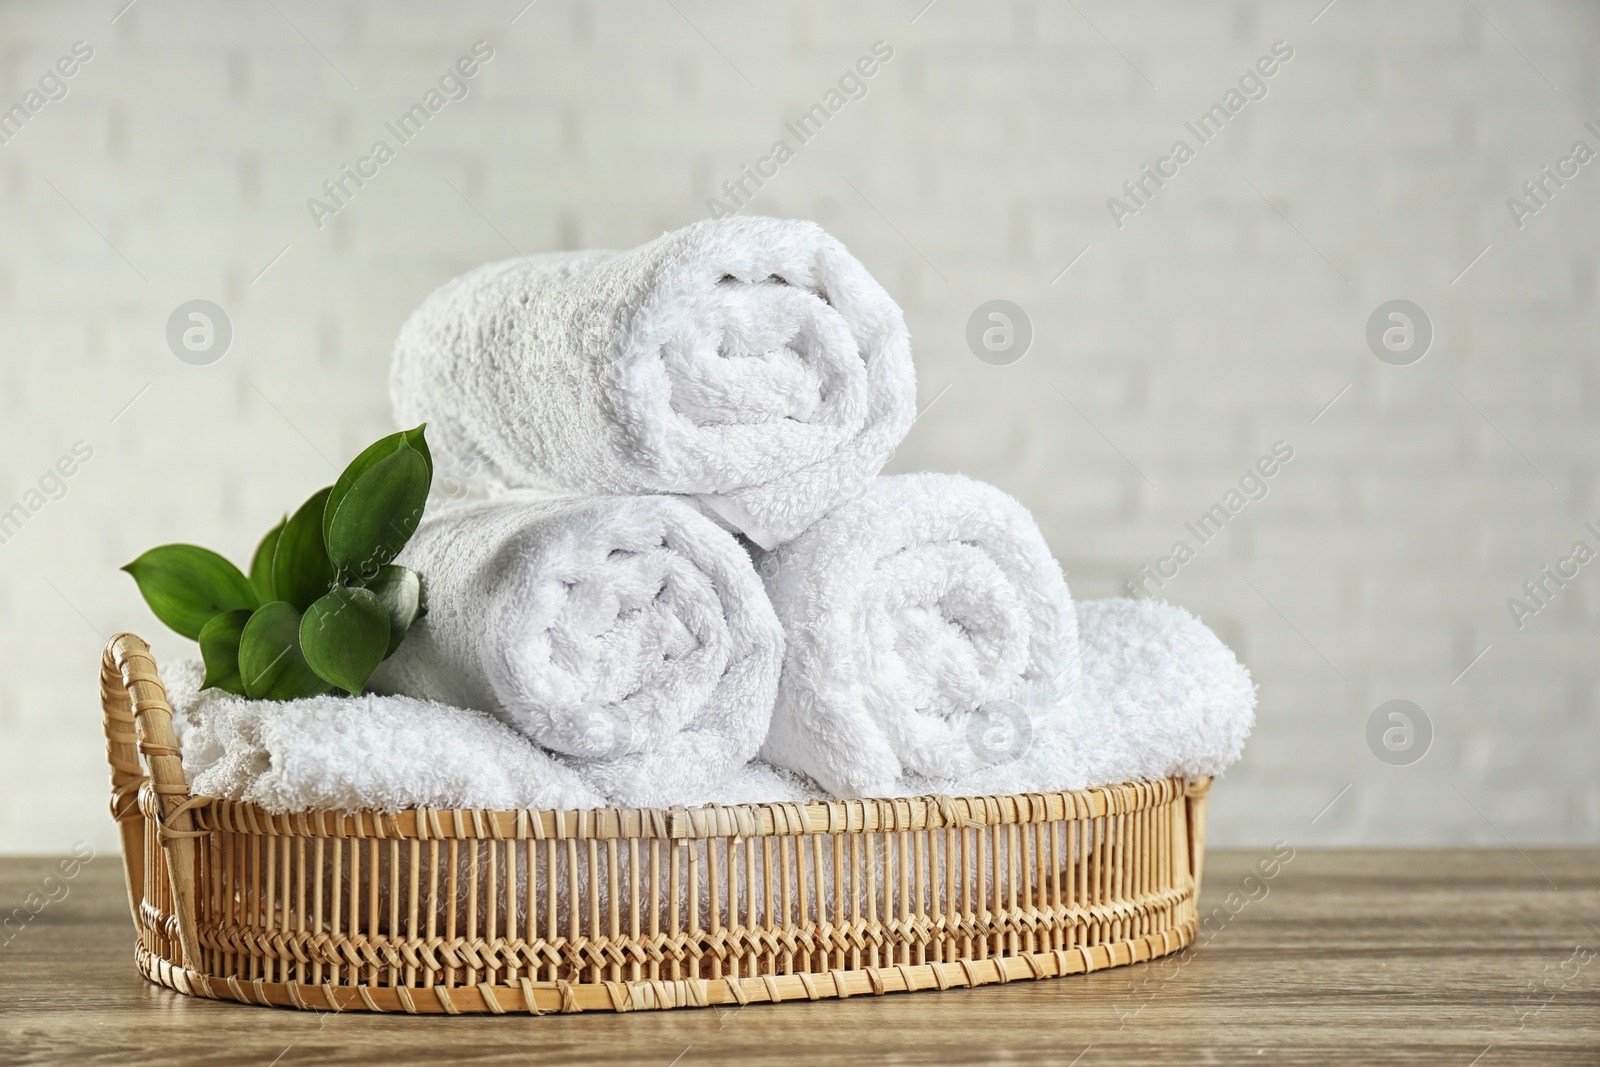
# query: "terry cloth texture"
751,363
912,613
1178,696
379,753
1161,696
628,636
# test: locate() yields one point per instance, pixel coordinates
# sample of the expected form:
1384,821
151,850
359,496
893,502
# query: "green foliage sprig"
324,603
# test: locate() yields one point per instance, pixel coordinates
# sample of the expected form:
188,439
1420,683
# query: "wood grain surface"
1465,958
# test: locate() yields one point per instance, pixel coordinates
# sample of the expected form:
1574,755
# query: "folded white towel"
1180,701
628,635
751,363
912,613
358,753
759,782
1160,696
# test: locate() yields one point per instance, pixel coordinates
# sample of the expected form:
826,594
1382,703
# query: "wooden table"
1450,957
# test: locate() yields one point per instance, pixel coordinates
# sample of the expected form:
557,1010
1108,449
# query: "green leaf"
219,645
418,439
300,569
369,458
186,585
261,563
378,514
345,635
271,663
399,590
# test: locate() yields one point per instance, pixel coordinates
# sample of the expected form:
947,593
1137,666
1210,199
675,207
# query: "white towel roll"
912,614
627,635
751,363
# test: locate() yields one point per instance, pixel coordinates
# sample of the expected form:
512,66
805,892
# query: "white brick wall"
1195,336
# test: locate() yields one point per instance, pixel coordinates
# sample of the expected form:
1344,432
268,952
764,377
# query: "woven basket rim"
690,822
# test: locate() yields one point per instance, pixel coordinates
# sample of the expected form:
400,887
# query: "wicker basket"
428,910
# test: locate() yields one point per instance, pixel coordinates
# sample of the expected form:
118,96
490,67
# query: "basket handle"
139,722
127,775
1197,790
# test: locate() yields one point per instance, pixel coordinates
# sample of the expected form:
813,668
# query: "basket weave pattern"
615,909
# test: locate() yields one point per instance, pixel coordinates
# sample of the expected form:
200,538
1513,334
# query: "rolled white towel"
912,614
366,753
628,635
751,363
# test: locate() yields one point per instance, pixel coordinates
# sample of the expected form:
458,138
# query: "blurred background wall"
1175,339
